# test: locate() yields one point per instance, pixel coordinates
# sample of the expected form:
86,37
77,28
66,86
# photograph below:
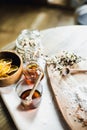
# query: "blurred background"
17,15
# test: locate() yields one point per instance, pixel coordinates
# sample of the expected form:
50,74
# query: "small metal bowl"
16,60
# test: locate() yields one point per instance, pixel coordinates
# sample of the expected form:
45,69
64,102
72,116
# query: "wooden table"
70,38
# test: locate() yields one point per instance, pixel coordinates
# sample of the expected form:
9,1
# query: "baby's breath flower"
66,59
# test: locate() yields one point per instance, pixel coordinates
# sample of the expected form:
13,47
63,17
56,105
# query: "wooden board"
70,95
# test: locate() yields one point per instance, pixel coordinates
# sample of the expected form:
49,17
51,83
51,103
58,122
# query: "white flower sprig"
64,60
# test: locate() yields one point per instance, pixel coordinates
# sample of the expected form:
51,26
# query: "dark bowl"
16,60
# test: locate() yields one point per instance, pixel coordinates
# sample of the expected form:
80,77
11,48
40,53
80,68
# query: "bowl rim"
21,62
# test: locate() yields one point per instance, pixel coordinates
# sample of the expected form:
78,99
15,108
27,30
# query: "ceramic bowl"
16,60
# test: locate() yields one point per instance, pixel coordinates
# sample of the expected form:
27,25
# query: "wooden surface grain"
15,18
64,90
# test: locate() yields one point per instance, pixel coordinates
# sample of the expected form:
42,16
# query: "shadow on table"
7,121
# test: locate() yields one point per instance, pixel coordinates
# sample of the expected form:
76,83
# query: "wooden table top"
70,38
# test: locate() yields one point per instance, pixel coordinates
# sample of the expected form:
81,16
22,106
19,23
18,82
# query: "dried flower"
64,60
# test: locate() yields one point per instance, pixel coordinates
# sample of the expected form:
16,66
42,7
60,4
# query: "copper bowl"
16,60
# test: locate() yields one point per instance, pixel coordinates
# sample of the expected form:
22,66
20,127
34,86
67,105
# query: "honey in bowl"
31,72
23,90
26,93
35,98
